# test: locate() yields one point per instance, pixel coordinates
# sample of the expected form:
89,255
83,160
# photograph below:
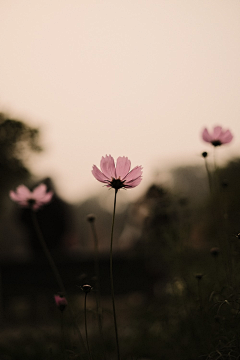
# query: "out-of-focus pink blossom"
33,199
117,176
218,136
60,301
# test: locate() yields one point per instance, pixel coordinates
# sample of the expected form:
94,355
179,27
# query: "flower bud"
214,251
91,218
86,288
199,276
61,302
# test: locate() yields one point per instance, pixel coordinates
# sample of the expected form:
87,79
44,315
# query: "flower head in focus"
60,301
218,136
32,199
117,176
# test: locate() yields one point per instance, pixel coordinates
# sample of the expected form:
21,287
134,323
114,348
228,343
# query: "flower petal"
99,175
39,191
133,174
107,166
21,202
117,177
226,137
133,183
216,133
14,196
122,167
47,197
206,136
22,193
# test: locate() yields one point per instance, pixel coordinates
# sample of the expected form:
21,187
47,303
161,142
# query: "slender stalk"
200,294
215,194
216,172
54,270
215,159
218,213
86,332
216,269
111,277
97,273
98,293
63,345
48,254
208,174
225,244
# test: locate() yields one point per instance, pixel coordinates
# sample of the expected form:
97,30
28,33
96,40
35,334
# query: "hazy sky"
139,78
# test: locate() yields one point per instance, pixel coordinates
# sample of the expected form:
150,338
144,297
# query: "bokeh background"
135,78
82,79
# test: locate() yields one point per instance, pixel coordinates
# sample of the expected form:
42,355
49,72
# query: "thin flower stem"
215,190
208,174
86,332
216,270
47,254
200,295
54,270
97,272
98,293
63,345
224,241
216,172
215,159
111,277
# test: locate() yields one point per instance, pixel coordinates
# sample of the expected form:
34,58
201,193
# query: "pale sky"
136,78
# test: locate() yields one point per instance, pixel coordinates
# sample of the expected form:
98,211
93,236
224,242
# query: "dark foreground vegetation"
176,269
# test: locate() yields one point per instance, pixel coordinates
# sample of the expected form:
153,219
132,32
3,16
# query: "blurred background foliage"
17,142
176,264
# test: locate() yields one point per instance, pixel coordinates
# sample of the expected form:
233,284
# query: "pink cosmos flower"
33,199
118,176
218,136
60,301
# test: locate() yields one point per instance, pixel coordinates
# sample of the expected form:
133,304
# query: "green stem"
86,332
111,277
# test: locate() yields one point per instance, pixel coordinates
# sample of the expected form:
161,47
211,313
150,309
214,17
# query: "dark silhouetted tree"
17,141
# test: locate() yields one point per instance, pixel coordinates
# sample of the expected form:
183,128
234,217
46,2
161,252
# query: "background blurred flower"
33,199
218,136
118,176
